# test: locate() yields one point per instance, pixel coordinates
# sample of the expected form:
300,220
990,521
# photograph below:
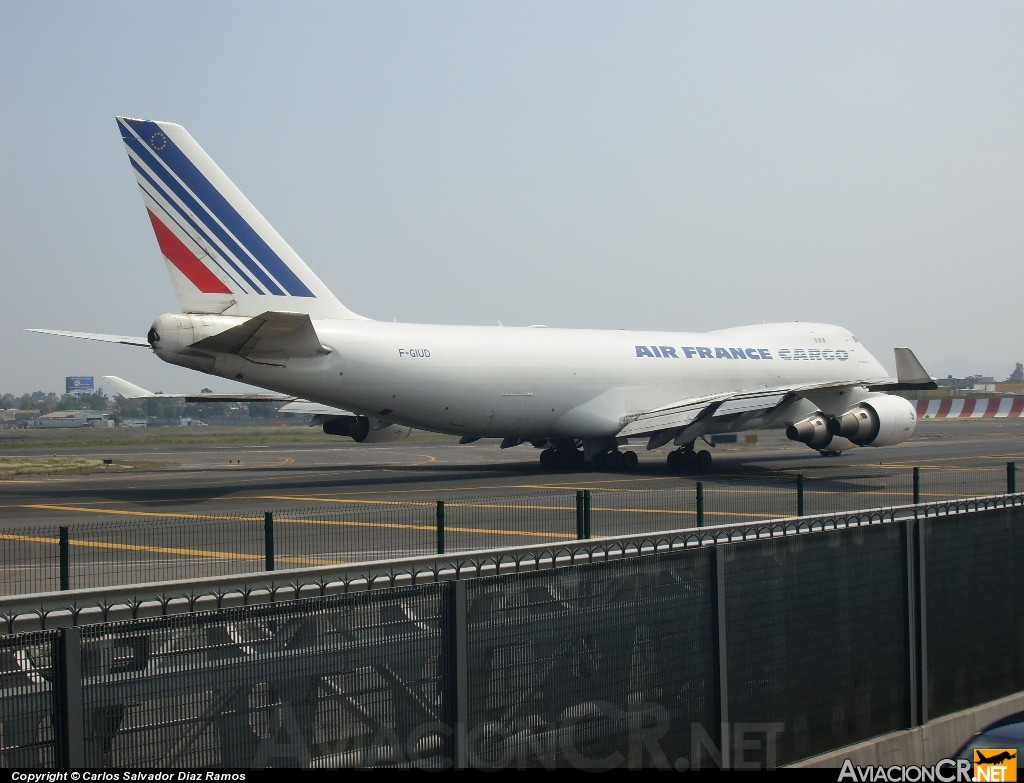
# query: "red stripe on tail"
185,260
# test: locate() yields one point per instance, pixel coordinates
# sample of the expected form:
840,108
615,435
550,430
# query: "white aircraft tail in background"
251,310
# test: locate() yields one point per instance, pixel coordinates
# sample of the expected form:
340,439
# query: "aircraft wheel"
567,459
674,460
703,460
630,461
547,459
615,460
600,461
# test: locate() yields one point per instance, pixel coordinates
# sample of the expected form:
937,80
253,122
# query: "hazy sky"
642,165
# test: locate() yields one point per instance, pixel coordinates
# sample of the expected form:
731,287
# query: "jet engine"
877,421
813,431
363,429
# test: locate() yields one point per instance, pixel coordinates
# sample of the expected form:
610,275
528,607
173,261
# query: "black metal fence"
756,647
92,554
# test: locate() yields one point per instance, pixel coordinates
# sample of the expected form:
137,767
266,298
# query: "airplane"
251,310
996,759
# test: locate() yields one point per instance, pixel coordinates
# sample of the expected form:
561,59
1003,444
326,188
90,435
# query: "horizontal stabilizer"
140,342
271,334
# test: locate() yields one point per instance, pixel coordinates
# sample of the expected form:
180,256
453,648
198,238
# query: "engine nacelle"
813,431
876,421
363,429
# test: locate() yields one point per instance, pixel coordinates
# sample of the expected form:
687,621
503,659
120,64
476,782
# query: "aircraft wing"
665,423
305,406
910,374
140,342
669,419
131,391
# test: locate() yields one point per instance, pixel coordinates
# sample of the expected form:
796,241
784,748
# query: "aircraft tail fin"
222,254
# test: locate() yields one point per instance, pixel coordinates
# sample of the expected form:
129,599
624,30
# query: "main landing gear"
562,458
569,457
686,460
616,461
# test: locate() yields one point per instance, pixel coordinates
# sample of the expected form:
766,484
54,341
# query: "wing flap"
672,416
685,412
315,408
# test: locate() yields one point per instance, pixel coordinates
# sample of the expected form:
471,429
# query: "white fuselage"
534,382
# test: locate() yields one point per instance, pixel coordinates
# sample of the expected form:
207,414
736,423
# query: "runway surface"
183,512
219,479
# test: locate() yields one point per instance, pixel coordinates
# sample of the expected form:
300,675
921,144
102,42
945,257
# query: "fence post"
455,648
917,486
440,527
721,655
700,504
586,513
580,526
911,568
799,494
69,713
65,560
268,539
1011,477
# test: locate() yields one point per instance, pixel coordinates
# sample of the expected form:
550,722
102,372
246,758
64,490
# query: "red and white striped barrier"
971,408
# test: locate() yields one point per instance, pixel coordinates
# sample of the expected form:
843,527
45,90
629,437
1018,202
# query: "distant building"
11,419
73,419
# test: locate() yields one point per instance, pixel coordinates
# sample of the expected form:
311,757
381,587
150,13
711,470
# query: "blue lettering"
814,353
799,353
828,355
668,352
752,353
722,353
737,353
784,354
842,355
643,350
765,353
703,353
690,351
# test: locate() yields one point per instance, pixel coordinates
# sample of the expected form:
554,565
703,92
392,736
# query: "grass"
156,436
36,466
51,440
